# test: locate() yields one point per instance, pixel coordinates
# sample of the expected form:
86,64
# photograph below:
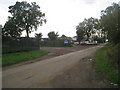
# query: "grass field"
8,59
103,66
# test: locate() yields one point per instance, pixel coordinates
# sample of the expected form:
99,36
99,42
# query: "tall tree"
52,35
63,37
25,16
87,27
110,22
0,32
80,32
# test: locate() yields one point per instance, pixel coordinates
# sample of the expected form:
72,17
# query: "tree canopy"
108,25
63,37
86,28
110,22
80,32
25,16
38,36
52,35
11,30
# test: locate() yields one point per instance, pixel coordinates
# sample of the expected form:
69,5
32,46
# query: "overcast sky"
62,15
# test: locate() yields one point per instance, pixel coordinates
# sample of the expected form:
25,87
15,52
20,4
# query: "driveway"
39,74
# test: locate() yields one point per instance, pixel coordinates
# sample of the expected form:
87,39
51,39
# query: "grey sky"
62,15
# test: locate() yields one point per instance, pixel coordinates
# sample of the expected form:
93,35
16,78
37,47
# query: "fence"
18,45
55,43
27,44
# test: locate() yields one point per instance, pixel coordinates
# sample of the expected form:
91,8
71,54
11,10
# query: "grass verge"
8,59
103,67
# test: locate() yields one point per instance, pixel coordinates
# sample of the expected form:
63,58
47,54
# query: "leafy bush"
113,54
103,67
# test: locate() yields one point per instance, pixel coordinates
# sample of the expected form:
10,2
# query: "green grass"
103,66
8,59
0,60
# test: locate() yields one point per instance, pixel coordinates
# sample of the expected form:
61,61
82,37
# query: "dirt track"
42,73
54,52
72,70
82,75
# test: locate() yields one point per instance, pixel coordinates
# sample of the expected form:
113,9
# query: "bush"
113,54
100,40
103,67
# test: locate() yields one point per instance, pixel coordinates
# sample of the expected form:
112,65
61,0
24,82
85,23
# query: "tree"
109,22
10,29
80,32
52,35
63,37
25,16
38,36
87,27
0,32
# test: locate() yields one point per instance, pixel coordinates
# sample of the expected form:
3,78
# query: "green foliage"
99,39
38,36
103,67
80,33
87,27
11,29
25,16
63,37
8,59
113,55
109,22
52,35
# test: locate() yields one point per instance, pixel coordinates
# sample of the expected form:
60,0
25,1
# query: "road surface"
38,74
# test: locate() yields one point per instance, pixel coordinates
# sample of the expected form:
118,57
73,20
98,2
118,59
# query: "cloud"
6,2
90,1
62,15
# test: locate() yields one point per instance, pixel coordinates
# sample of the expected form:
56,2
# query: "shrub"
113,54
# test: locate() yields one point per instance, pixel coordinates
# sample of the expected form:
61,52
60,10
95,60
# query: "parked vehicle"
76,43
84,43
88,43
